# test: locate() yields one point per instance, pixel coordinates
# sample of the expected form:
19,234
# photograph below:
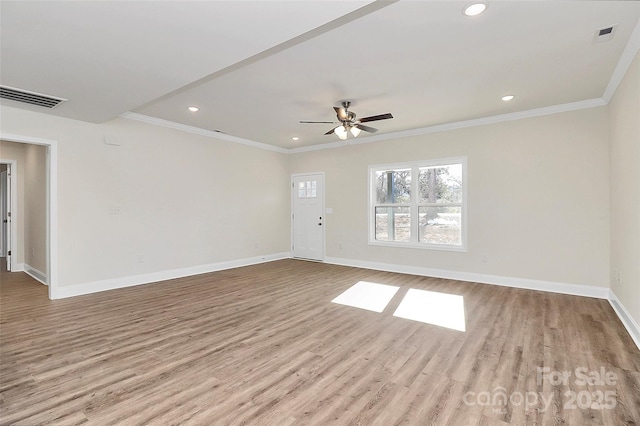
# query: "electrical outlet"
617,276
485,259
140,258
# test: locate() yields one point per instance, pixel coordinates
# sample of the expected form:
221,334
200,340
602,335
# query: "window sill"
438,247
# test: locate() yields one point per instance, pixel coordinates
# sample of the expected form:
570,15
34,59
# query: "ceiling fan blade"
322,122
332,130
341,112
376,117
365,128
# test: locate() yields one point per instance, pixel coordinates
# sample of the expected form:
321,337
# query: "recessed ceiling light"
193,108
474,9
507,98
295,138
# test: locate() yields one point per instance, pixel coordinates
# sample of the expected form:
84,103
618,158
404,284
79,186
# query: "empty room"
319,212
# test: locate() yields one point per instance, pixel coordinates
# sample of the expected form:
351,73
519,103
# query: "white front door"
308,216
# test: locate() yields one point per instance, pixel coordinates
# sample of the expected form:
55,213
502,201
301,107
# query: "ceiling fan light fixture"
193,108
341,132
474,9
347,122
507,98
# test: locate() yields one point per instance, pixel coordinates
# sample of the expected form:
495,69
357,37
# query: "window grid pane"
441,184
393,186
393,223
440,225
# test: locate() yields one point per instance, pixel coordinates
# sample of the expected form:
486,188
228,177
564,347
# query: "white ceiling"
256,68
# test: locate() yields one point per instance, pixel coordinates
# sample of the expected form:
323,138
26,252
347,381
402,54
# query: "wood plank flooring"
264,345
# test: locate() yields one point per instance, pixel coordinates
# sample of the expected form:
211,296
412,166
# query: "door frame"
324,214
51,174
12,190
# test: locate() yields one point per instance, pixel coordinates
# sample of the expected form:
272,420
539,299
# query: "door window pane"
307,189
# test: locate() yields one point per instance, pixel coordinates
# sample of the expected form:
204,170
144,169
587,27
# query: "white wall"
624,115
172,199
537,201
35,207
538,197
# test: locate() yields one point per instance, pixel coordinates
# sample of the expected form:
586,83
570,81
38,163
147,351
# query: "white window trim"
414,205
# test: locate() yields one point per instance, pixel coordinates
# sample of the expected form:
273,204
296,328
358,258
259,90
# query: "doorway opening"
50,275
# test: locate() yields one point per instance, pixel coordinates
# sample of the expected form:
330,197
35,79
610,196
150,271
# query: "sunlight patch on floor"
366,295
441,309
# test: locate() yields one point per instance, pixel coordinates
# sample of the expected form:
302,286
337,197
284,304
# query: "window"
419,204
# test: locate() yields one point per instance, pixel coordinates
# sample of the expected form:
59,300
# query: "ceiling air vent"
604,34
27,97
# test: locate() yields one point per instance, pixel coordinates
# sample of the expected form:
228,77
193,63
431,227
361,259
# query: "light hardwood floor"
264,345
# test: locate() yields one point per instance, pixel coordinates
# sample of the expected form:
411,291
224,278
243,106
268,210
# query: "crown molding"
199,131
628,55
537,112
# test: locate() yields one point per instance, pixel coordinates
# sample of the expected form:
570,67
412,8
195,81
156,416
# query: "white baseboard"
17,267
526,283
627,320
35,274
61,292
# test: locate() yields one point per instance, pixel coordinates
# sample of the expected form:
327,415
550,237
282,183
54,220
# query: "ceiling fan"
348,122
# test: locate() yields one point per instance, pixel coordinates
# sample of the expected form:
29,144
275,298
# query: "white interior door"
308,216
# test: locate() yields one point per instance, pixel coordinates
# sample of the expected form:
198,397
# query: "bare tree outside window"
393,189
439,208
